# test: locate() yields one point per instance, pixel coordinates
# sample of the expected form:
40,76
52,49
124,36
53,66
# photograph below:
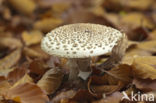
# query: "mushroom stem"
117,54
76,65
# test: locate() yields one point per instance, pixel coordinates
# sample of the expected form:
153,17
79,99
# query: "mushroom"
79,42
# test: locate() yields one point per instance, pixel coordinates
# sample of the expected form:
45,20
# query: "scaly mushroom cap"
81,40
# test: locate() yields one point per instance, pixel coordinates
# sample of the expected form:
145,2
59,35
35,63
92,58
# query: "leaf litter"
28,75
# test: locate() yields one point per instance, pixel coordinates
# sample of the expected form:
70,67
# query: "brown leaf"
136,19
27,37
17,74
4,86
106,89
47,24
153,35
30,52
113,98
145,85
25,79
63,95
112,81
27,93
7,62
144,67
135,4
109,85
82,93
148,46
25,6
122,72
51,80
60,7
6,41
38,66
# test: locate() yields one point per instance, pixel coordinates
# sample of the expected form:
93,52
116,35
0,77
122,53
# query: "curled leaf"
27,93
51,80
144,67
7,62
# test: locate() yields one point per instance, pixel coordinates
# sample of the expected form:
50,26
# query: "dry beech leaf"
25,79
107,89
60,7
4,86
148,46
7,62
15,43
135,19
47,24
82,93
127,60
63,95
122,72
145,85
67,101
97,85
27,93
25,6
34,53
49,3
39,50
144,67
113,80
153,35
17,74
33,37
38,66
51,80
114,18
145,4
113,98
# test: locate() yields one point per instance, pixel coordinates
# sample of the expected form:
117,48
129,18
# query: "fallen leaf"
25,6
47,24
60,7
34,53
153,35
106,89
25,79
135,4
113,98
17,74
97,88
144,67
38,66
63,95
138,34
82,93
27,37
4,86
15,43
51,80
27,93
10,60
145,85
148,46
135,19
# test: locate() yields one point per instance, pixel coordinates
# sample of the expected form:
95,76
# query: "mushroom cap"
81,40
